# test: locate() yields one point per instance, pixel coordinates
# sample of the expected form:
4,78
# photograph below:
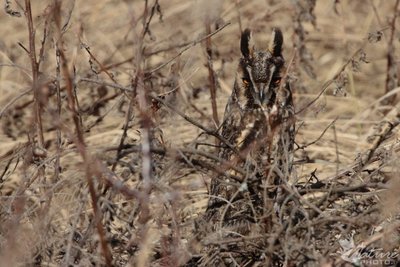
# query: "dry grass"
94,171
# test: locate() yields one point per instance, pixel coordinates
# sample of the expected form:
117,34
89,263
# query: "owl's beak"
260,94
263,93
261,90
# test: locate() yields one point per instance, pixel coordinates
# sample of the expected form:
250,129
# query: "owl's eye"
245,81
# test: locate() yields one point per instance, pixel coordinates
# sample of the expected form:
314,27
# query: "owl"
258,131
259,127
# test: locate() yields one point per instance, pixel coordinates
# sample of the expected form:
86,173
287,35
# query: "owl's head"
259,72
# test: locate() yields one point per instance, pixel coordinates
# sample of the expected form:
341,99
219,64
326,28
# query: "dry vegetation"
110,109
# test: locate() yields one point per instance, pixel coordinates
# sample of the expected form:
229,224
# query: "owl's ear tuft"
275,46
245,43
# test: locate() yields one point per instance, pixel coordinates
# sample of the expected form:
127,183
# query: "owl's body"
259,124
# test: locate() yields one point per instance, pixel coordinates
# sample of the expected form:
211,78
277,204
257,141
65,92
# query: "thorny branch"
159,99
328,83
79,140
392,79
211,74
35,74
102,67
195,42
190,152
319,137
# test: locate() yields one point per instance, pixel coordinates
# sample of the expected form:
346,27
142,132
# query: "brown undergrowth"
110,114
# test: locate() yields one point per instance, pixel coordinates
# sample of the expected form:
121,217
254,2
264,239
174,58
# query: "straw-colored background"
111,29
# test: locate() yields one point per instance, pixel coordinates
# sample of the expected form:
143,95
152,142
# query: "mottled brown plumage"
259,123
